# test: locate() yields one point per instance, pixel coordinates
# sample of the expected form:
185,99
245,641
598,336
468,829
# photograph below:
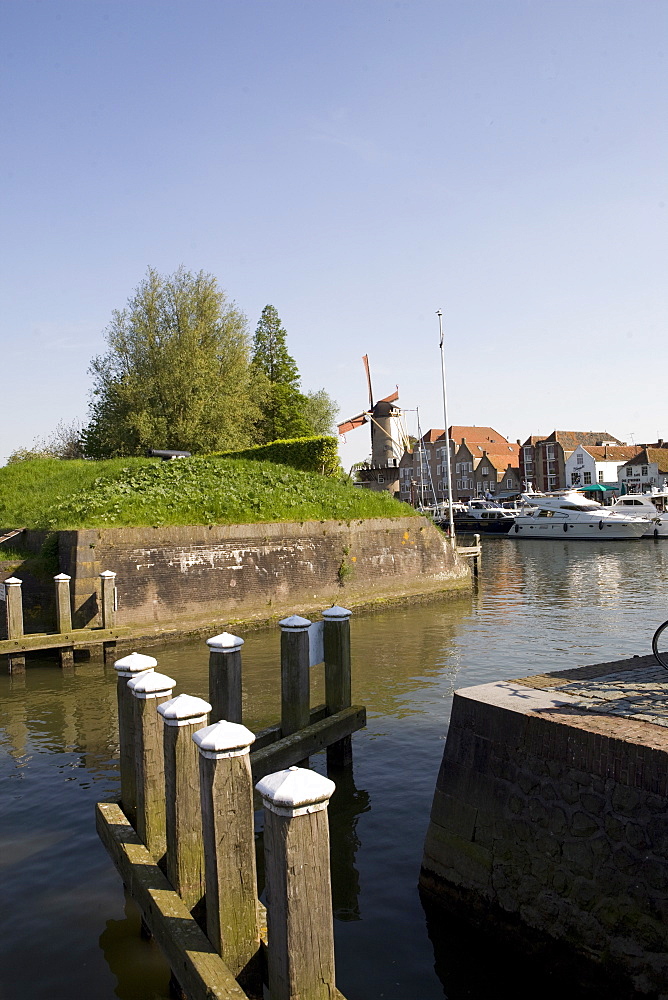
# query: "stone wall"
555,818
168,575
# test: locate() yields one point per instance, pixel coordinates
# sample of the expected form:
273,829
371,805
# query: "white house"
590,464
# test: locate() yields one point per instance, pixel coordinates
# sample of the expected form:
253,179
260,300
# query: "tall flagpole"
451,522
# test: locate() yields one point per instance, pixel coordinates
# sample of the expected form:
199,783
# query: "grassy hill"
130,492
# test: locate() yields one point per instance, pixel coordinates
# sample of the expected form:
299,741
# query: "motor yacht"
569,515
646,505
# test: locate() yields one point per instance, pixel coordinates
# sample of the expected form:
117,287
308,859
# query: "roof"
613,452
571,439
432,435
648,456
476,435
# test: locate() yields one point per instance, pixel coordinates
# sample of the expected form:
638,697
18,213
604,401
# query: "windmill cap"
223,739
183,710
295,791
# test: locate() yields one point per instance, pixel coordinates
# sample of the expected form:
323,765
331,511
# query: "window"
643,471
629,472
528,454
549,451
575,478
551,482
600,477
587,478
509,484
528,468
458,467
485,471
459,484
581,458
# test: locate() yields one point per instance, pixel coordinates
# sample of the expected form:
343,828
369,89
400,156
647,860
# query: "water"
67,929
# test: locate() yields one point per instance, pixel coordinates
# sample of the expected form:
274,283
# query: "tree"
282,405
176,374
64,443
320,411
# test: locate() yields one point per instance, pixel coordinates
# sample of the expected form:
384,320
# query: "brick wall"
177,574
556,818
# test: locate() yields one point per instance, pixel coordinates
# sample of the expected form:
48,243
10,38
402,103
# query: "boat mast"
451,522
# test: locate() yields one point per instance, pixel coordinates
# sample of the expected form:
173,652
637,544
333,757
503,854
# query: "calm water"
67,929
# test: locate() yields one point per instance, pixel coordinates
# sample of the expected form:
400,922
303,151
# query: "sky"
358,164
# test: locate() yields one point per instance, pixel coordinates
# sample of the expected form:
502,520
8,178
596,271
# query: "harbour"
527,616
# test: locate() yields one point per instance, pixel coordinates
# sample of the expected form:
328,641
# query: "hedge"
311,454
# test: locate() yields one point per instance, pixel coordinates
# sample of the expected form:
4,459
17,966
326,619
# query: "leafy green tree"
285,411
176,373
277,381
320,411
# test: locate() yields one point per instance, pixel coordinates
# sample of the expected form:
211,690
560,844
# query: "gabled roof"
612,452
476,435
571,439
648,456
433,435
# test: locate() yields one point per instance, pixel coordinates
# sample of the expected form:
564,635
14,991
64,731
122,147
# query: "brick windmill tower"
388,439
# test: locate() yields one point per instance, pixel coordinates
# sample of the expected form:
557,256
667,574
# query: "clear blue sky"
358,165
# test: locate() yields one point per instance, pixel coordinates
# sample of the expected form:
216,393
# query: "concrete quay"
550,815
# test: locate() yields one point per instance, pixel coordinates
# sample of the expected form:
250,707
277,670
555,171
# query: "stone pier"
551,814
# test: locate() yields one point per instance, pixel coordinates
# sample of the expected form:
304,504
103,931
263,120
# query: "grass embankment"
55,495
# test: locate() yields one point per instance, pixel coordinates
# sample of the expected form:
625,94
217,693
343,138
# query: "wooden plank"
291,749
55,640
201,973
272,734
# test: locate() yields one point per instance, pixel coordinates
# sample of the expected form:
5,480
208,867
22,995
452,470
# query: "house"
543,460
647,468
482,462
592,464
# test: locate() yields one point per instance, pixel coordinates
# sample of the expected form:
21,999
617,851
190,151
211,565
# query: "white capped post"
299,894
182,717
226,790
150,689
126,668
225,677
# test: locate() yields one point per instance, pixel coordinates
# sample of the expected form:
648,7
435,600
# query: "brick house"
482,462
543,460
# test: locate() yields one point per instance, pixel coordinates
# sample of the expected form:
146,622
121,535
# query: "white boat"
652,505
570,515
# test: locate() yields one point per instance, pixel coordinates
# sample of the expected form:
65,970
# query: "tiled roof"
651,455
476,435
614,452
571,439
432,435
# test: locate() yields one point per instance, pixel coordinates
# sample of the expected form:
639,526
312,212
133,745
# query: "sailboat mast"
451,523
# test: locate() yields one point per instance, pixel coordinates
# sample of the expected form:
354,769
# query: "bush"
310,454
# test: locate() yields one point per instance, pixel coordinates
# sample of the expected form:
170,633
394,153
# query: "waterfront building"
646,469
483,463
543,460
590,465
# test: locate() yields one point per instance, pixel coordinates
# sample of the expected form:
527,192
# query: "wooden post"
295,681
182,717
149,690
108,603
64,615
225,677
226,790
338,689
127,667
14,617
299,895
108,582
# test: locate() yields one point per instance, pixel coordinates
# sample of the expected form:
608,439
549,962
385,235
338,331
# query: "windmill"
388,438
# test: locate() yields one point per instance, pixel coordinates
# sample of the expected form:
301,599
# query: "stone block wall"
556,819
171,575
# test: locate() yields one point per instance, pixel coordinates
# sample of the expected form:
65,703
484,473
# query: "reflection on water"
538,607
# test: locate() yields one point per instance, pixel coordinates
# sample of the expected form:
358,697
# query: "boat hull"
601,530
